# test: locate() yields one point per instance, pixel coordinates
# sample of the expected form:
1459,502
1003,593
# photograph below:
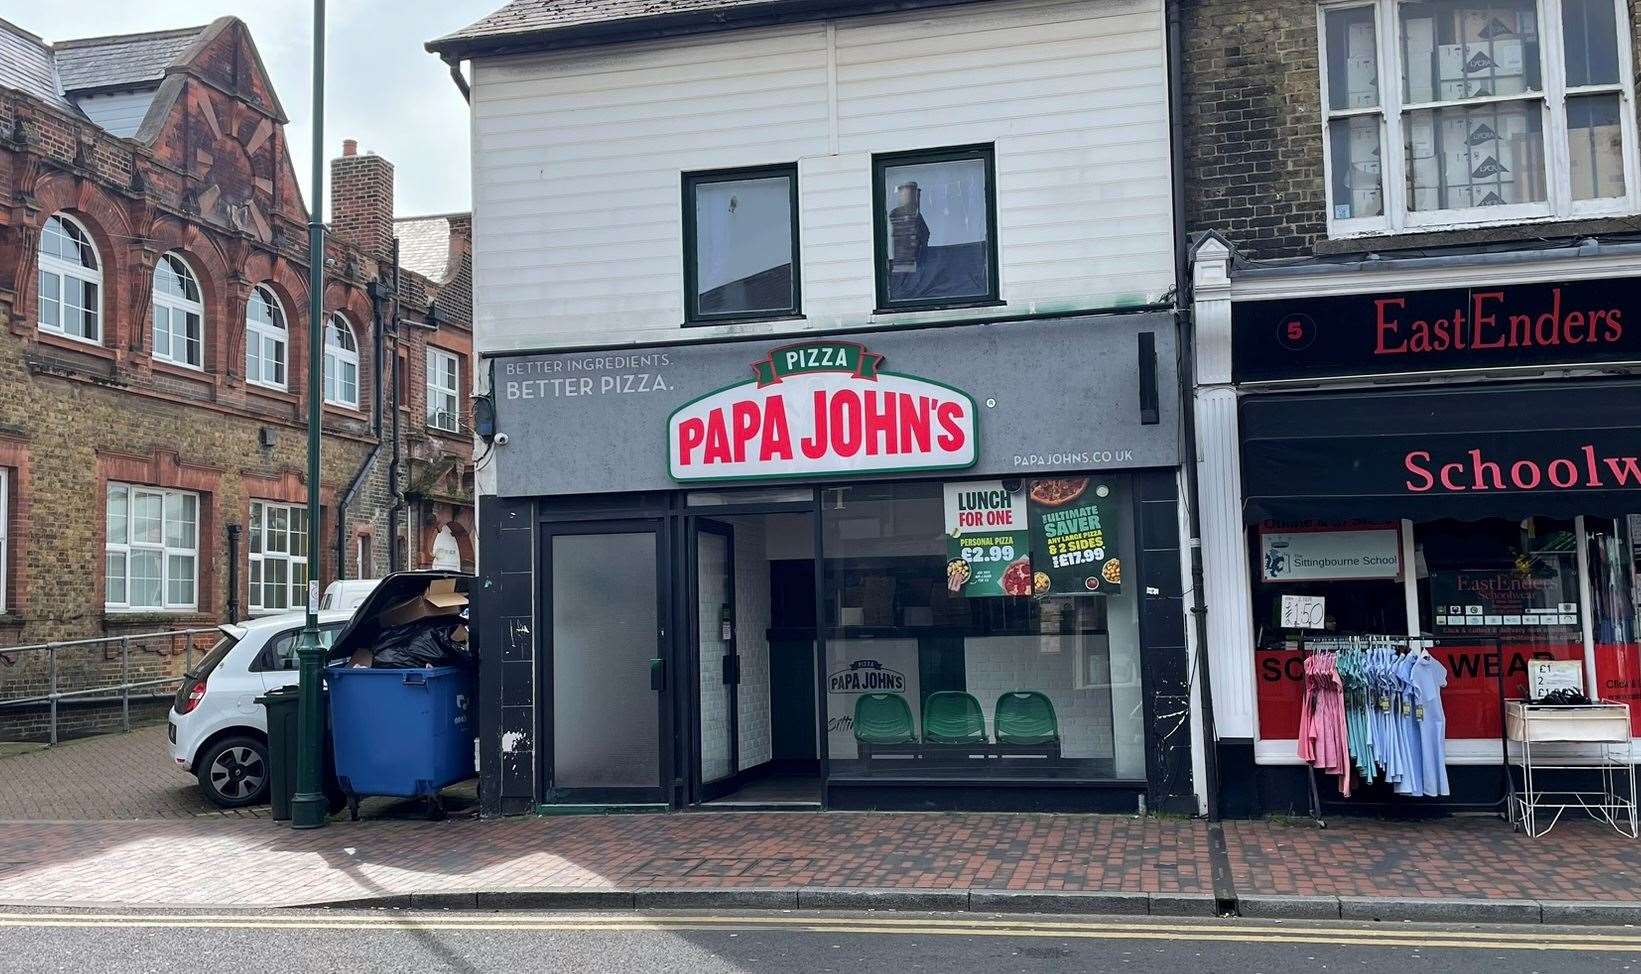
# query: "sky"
382,88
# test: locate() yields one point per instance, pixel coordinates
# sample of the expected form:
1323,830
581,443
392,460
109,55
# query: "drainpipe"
1187,394
233,573
378,298
455,66
393,553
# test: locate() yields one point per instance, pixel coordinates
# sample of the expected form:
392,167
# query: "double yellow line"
1221,931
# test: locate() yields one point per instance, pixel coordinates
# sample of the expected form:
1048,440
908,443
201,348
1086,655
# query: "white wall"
577,159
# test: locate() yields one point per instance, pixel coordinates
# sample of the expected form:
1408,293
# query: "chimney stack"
362,200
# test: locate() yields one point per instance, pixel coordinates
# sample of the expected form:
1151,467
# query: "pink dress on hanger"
1324,736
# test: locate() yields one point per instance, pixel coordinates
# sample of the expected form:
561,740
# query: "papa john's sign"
818,409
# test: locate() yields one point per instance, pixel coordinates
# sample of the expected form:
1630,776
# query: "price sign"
1545,675
1074,537
987,552
1304,612
996,552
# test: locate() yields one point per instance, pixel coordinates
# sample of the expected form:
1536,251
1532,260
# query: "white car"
346,593
218,732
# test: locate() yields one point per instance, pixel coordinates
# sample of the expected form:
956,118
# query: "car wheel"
234,772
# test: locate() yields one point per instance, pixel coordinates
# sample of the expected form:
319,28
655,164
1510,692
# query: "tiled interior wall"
712,588
752,628
995,665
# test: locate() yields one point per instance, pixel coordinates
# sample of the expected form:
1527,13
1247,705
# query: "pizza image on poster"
1073,529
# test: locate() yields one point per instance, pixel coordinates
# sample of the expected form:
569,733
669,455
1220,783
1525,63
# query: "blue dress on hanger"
1428,676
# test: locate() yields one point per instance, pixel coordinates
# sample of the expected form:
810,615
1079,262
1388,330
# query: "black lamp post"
308,804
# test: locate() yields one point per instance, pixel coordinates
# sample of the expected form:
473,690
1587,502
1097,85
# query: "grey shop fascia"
619,457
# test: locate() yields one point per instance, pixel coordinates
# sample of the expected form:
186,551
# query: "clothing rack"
1404,644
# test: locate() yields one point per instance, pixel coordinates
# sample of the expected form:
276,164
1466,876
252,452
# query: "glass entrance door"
718,668
605,601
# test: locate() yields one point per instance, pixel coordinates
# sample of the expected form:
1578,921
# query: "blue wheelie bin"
403,733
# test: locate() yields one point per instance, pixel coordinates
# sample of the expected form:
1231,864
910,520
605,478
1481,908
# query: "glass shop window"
1356,567
974,652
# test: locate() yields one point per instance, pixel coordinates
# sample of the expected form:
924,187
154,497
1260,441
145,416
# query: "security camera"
501,439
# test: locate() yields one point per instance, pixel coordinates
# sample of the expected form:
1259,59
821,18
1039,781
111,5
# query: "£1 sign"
819,408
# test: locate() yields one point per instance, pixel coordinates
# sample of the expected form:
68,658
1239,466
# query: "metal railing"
179,642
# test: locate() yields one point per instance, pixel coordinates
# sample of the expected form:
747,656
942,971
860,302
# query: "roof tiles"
127,60
532,16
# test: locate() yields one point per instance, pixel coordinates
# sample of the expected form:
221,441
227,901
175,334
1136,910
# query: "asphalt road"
301,942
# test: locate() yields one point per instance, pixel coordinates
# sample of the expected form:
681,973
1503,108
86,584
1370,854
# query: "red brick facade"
208,178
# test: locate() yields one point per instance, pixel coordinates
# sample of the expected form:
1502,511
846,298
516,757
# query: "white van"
345,594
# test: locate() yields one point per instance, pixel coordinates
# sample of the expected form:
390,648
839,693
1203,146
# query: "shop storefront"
931,568
1449,458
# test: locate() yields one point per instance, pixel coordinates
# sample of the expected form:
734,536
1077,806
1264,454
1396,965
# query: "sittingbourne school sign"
817,409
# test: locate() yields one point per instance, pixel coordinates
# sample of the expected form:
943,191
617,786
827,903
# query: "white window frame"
125,547
441,396
268,338
1391,112
336,357
259,555
64,271
174,306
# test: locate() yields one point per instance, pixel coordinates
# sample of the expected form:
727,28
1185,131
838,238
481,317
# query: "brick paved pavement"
115,776
168,848
219,862
1459,857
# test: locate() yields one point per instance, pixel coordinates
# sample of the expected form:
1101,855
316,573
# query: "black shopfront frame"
515,683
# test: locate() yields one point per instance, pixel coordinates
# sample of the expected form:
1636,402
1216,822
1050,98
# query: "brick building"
1415,281
154,354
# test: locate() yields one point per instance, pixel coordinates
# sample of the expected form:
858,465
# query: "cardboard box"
1528,152
1418,47
1361,67
1481,26
439,599
1597,162
1482,62
1361,83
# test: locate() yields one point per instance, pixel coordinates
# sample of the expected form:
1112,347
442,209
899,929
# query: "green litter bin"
283,705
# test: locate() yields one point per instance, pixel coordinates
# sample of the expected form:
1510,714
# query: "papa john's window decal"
822,408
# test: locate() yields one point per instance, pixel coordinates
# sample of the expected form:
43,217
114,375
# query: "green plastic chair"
883,719
1026,718
953,717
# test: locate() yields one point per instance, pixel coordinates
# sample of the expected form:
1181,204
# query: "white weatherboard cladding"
121,113
578,155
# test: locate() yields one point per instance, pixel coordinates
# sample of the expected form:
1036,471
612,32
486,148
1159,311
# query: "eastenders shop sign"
1021,399
1447,329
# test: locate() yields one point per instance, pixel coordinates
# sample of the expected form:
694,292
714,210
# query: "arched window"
71,281
341,363
179,314
265,339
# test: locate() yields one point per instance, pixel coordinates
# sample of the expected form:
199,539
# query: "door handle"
658,675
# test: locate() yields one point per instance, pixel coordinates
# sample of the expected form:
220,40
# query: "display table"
1588,740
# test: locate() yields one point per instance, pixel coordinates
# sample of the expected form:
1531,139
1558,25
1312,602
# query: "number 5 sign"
1304,612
